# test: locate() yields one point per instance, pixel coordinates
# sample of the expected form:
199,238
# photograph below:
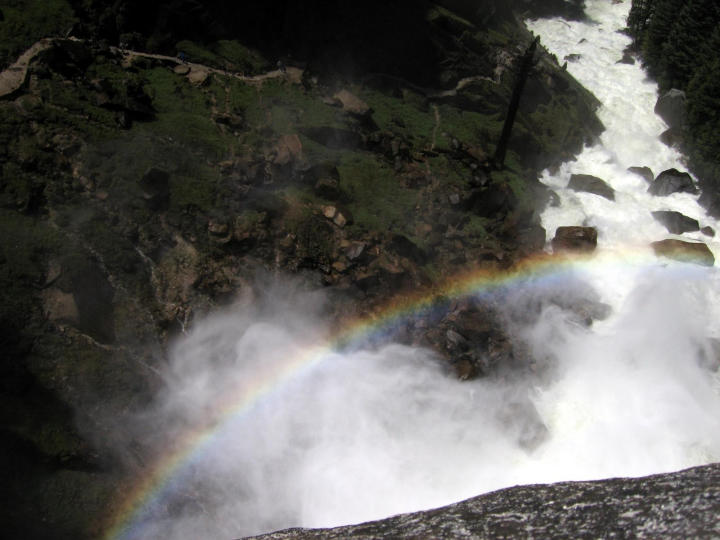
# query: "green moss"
379,201
193,191
406,115
476,227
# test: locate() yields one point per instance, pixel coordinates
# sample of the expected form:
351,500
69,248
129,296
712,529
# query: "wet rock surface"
675,222
591,184
692,252
574,238
684,504
672,181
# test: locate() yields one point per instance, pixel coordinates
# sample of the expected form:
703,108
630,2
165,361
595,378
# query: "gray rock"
591,184
672,181
684,504
671,108
675,222
645,172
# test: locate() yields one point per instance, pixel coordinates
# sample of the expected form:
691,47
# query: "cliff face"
677,505
140,191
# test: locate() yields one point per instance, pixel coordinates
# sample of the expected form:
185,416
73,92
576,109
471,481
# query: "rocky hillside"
154,163
677,505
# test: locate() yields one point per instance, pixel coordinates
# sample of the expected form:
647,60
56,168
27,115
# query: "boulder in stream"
645,172
672,181
591,184
675,222
679,250
671,108
573,238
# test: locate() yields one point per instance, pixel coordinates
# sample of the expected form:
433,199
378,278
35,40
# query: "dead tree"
523,70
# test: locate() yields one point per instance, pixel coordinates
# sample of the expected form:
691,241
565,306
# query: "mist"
355,436
345,436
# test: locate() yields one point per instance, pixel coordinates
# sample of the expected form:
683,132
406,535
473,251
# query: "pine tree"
661,23
703,98
684,48
640,14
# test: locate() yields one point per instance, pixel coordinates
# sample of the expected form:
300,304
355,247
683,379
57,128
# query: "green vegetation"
679,40
224,54
27,21
379,201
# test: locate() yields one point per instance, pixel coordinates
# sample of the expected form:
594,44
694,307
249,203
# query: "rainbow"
159,479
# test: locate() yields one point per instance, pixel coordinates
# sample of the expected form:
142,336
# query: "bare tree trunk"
524,66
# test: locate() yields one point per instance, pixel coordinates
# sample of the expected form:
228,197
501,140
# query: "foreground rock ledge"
684,504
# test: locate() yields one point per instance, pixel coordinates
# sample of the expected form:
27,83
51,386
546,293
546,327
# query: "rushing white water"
367,434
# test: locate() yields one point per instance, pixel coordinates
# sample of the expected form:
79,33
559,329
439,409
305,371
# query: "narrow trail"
13,77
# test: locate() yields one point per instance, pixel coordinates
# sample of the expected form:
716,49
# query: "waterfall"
364,434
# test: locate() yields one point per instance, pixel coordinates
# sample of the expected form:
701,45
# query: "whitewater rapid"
362,435
631,138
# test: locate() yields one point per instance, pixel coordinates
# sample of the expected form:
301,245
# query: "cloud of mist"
365,434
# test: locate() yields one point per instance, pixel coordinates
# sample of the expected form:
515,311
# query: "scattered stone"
675,222
287,149
591,184
645,172
351,103
198,76
342,217
671,108
672,181
708,231
355,250
679,250
582,239
182,69
454,198
339,266
329,211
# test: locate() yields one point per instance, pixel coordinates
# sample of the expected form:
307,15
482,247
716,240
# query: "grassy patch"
379,201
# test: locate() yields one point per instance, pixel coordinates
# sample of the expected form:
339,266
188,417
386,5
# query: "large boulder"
679,250
683,504
591,184
582,239
645,172
671,108
672,181
675,222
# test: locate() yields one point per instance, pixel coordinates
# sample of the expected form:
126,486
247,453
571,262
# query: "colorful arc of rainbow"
155,484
